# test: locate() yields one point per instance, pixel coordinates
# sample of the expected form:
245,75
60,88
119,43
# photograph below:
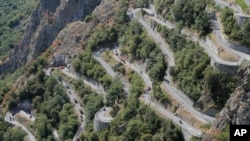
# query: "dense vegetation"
136,122
190,13
242,4
92,104
233,30
137,45
193,73
142,3
101,36
8,133
13,18
7,80
51,105
87,66
115,92
14,134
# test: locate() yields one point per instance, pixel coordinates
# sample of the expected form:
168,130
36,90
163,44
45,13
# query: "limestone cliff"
72,39
48,19
237,109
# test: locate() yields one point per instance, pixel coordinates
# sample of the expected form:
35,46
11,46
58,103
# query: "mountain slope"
49,18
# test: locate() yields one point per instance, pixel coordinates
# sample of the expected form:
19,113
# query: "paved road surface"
162,44
109,70
9,116
247,2
223,4
158,108
237,49
74,99
98,88
174,92
138,70
77,107
209,50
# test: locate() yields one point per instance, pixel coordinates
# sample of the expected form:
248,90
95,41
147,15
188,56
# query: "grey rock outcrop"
237,109
48,19
240,18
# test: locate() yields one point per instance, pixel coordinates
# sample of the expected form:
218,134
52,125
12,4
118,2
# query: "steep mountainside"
236,111
49,18
73,37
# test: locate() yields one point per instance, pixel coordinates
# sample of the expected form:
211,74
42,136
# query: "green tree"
115,92
14,134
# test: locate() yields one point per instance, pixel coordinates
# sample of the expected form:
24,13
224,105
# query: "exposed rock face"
237,109
240,18
49,18
72,39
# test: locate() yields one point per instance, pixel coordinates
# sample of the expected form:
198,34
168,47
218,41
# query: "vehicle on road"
59,78
80,110
180,121
66,86
148,88
52,69
75,101
69,92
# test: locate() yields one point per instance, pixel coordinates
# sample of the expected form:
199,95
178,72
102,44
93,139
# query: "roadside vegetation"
14,15
6,82
51,106
87,66
186,13
136,121
8,133
193,73
115,93
242,4
138,46
92,104
233,30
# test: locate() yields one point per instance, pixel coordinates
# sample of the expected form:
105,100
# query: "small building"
102,119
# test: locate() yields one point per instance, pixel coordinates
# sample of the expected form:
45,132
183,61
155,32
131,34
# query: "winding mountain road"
237,49
172,90
223,4
153,104
206,44
10,119
78,109
109,70
74,99
98,88
160,109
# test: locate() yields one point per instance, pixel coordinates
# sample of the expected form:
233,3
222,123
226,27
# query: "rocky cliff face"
48,19
237,109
